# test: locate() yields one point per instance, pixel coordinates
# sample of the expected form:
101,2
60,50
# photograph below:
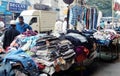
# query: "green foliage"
104,5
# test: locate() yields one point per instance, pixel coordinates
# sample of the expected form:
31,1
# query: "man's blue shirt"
23,28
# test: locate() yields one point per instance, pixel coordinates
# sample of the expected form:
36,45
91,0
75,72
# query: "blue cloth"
74,12
6,70
22,28
85,11
20,56
33,40
95,17
103,42
102,24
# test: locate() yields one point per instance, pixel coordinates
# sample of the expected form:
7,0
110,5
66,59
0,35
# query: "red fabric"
87,18
117,6
80,58
7,48
41,67
82,53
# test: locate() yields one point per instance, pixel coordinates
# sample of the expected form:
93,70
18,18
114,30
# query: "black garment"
10,34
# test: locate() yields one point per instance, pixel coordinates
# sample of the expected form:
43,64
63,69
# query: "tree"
104,5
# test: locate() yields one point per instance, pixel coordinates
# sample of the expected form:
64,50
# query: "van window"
33,20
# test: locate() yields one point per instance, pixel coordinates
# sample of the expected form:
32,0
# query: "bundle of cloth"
105,36
48,53
84,46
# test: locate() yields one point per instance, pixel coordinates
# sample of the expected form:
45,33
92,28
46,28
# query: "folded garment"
22,57
44,62
49,70
6,70
77,36
69,56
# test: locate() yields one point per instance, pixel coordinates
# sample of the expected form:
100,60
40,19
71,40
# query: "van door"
34,23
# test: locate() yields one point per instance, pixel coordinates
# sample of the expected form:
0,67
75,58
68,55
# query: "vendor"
10,34
21,26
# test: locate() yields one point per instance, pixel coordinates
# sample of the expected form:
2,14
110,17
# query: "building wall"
55,4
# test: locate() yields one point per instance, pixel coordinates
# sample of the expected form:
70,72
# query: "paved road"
98,68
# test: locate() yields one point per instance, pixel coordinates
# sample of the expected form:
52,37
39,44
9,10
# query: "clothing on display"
88,14
47,53
105,36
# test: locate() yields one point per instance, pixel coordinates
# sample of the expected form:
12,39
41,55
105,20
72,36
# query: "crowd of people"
14,30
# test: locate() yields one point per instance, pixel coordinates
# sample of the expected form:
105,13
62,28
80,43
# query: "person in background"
64,27
10,34
58,26
102,25
21,26
79,24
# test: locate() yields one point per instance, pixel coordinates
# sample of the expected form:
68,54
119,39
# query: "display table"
108,52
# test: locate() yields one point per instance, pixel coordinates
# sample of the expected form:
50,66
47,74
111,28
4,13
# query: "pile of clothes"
105,36
48,53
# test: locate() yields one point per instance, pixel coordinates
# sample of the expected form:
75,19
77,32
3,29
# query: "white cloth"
80,26
2,24
58,27
64,27
99,18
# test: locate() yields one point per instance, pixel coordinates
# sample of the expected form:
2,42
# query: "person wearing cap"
21,26
10,34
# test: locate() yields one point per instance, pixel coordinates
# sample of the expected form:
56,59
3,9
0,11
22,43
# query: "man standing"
21,26
80,24
10,34
58,26
64,27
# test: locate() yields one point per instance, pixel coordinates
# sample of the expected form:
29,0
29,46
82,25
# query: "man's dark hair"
13,25
21,17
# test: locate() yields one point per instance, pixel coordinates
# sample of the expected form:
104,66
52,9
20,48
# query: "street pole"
68,13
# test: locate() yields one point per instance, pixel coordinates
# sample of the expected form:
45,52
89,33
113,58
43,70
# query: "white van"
41,21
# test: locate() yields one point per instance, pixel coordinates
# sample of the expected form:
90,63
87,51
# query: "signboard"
16,7
41,7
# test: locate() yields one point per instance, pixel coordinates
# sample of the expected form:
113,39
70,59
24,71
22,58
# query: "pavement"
97,68
108,69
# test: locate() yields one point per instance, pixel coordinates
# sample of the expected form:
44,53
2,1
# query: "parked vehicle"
39,20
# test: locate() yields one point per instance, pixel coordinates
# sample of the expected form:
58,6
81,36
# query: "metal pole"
68,16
